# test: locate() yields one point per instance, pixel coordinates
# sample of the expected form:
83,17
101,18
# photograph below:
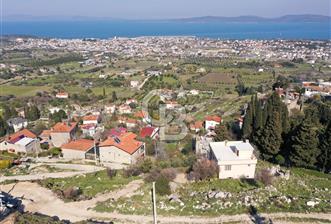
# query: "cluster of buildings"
308,50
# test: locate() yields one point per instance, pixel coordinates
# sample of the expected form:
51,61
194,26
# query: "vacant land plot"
218,78
238,196
90,184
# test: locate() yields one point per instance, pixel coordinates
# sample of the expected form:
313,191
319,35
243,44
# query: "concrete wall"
59,138
237,171
73,154
116,155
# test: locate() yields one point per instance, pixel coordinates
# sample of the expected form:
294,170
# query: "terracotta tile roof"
91,118
126,142
197,125
213,118
21,134
146,132
64,127
79,144
140,114
45,133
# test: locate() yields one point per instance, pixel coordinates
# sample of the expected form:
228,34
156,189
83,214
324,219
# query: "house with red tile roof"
124,149
150,132
78,149
196,126
63,132
91,119
62,95
212,121
23,141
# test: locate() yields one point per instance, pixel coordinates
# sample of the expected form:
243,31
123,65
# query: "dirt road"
77,170
42,200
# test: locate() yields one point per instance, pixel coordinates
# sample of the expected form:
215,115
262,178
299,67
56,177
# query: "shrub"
169,173
153,175
280,160
146,165
162,186
72,193
55,151
265,177
4,164
204,169
132,171
111,172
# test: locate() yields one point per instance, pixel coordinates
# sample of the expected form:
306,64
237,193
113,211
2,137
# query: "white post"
154,205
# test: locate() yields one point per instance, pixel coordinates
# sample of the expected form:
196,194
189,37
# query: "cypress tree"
324,159
248,122
222,133
269,138
3,127
304,145
258,116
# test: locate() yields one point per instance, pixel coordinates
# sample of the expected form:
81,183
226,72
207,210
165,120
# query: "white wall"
114,154
73,154
237,171
59,138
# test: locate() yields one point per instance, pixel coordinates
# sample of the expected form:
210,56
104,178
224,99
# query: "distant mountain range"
204,19
249,19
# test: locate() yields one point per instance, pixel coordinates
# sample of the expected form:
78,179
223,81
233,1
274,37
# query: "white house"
91,119
235,159
62,95
212,121
134,84
17,123
23,141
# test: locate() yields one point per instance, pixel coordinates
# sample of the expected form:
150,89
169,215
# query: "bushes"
132,171
111,172
279,159
72,193
145,165
203,169
265,177
168,173
162,186
4,164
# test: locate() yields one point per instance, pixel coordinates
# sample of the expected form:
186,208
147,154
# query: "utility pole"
154,204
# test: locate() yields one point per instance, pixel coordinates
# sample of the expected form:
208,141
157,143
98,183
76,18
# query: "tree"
58,116
325,157
304,145
104,92
204,169
222,133
32,113
248,122
113,96
269,139
3,127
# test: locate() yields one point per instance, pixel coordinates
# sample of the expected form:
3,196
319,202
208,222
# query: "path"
81,169
42,200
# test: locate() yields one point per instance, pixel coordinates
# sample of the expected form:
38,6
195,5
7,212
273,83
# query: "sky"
161,9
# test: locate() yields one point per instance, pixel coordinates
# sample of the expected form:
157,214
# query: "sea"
216,30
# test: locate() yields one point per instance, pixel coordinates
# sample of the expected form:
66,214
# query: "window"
227,167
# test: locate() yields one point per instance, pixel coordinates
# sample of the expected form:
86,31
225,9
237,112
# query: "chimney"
246,140
225,142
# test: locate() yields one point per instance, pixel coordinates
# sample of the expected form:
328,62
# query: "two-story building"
124,149
235,159
62,133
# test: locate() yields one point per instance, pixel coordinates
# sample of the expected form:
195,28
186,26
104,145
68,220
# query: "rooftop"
226,151
64,127
125,142
79,144
20,135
